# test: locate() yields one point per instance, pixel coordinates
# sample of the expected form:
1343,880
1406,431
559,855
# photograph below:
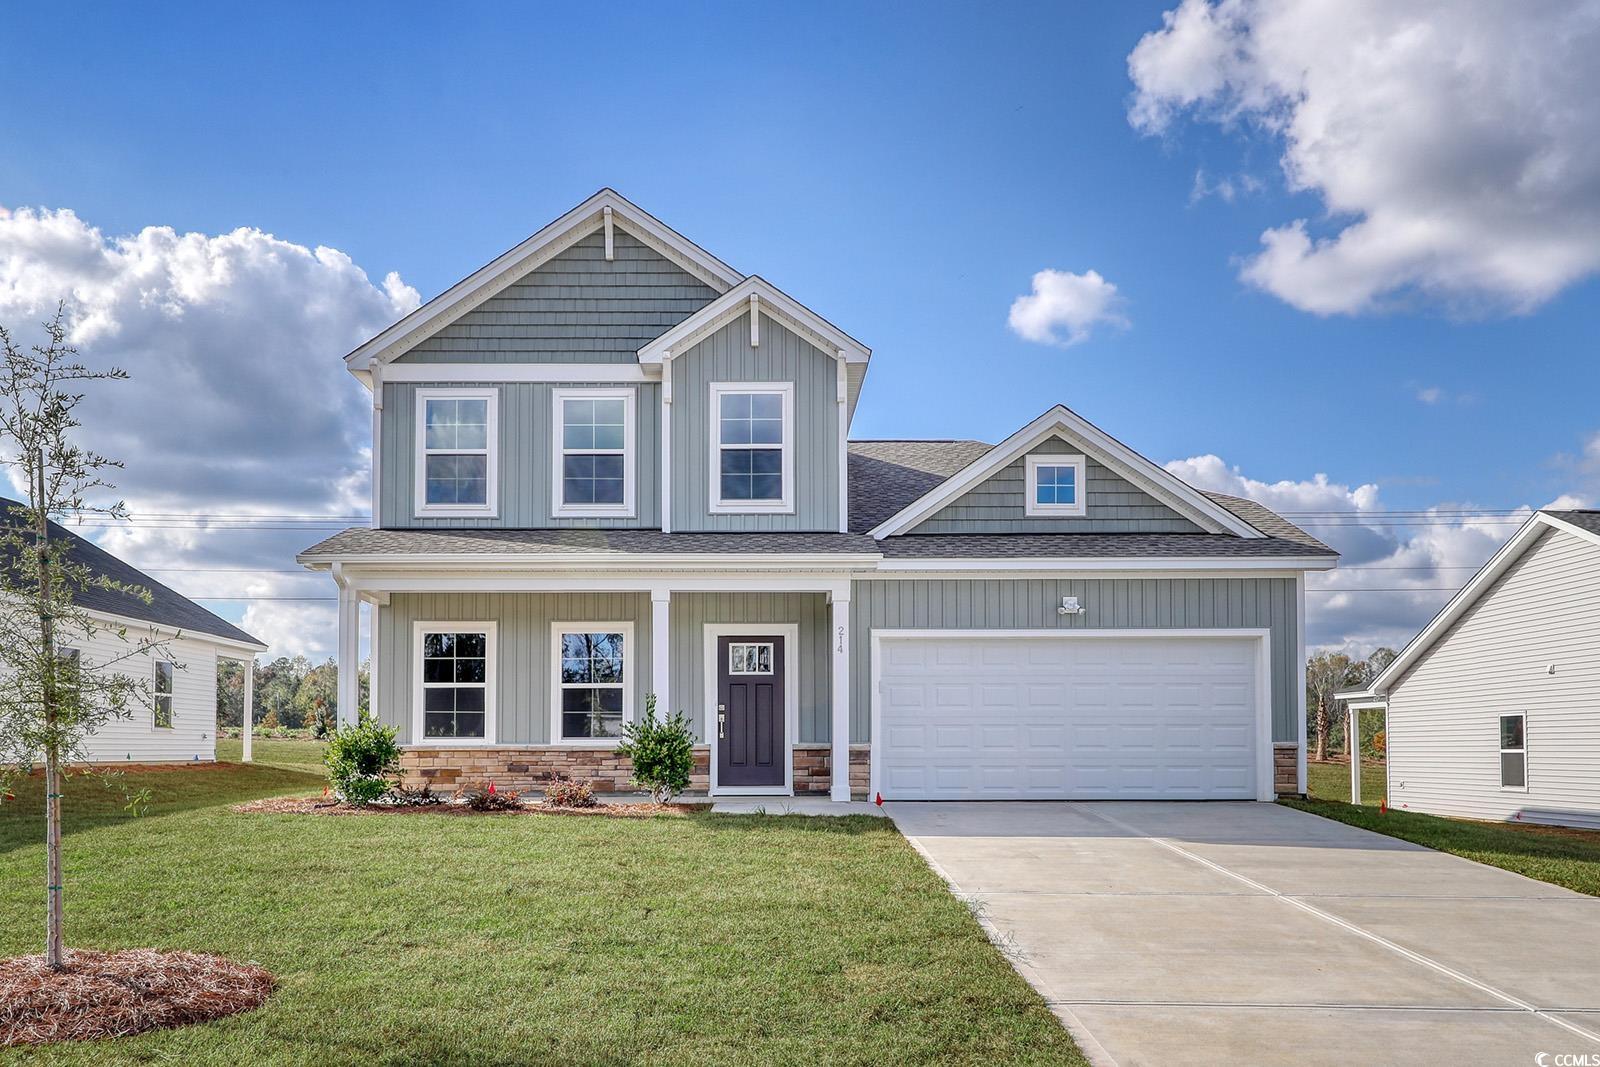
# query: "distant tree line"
1326,674
289,691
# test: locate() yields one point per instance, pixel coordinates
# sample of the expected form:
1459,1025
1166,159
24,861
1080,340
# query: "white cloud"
1430,395
238,402
1396,570
1454,143
1064,308
1227,188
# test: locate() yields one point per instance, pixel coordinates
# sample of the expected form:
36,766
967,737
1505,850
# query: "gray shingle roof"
1585,519
167,607
362,541
1091,546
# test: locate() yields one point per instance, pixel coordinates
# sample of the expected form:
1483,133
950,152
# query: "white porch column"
1352,743
839,646
349,651
661,651
249,706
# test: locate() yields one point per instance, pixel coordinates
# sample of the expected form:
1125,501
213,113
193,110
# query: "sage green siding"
523,669
688,616
727,356
526,471
577,308
999,504
1111,603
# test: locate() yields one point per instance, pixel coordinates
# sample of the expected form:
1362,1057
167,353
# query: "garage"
1090,715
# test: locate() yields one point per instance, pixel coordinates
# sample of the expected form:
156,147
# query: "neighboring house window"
752,451
593,448
163,694
591,693
1055,485
456,460
1513,751
455,673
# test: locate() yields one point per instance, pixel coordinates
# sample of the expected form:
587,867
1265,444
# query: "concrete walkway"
1253,933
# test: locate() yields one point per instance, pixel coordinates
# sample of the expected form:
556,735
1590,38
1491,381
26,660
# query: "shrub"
360,760
567,793
662,752
401,797
491,799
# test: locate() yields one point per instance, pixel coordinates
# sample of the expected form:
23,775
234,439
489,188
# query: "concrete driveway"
1253,933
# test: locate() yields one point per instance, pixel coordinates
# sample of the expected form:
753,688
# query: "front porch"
511,715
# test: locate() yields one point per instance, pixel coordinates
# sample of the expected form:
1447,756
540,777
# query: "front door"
751,746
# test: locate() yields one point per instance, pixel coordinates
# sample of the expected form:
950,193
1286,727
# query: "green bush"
360,760
662,752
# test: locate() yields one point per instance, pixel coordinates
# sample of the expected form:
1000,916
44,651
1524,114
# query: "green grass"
1331,781
1560,856
524,939
294,755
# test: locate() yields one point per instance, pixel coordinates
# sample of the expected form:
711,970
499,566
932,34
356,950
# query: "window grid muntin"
752,446
459,449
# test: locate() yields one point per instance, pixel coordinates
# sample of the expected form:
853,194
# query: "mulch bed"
328,806
114,994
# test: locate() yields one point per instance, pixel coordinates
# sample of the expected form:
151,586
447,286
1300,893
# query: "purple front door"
751,747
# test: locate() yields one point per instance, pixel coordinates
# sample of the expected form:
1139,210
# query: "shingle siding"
576,308
1443,726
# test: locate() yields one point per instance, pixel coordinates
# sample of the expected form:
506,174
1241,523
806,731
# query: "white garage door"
1067,718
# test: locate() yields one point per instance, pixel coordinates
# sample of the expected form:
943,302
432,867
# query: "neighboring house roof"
1062,422
1580,523
167,608
577,544
549,241
773,302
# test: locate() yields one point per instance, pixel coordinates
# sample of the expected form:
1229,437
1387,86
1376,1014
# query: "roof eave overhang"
1110,563
522,562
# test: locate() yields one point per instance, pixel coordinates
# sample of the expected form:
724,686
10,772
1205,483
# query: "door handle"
722,720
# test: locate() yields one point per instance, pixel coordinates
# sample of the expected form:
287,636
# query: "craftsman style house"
608,465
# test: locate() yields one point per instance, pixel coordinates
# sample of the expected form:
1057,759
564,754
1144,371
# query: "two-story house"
608,465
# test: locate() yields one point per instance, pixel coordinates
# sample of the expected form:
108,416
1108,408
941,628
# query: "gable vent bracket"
755,320
606,211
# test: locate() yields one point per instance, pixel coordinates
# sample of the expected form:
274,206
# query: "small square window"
1055,486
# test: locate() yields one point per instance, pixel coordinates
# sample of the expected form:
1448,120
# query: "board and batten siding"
137,739
525,461
692,692
1110,603
1444,713
998,505
524,671
577,308
782,356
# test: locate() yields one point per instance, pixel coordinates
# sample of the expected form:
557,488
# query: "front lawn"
1553,854
1331,781
528,939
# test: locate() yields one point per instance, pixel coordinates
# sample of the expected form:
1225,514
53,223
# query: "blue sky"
903,171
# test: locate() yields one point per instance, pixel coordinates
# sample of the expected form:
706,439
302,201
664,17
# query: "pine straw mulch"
114,994
329,806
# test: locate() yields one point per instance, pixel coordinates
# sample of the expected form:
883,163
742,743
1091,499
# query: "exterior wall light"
1070,606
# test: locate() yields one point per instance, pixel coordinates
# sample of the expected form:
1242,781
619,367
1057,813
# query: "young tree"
53,696
1326,674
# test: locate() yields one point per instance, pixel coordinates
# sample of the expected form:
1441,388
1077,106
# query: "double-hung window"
456,451
161,711
1514,751
455,680
752,447
591,696
1055,485
593,448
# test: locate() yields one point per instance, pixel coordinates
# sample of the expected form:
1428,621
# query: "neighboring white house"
182,724
1494,709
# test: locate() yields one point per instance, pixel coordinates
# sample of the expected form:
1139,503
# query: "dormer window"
1055,485
752,450
456,445
593,449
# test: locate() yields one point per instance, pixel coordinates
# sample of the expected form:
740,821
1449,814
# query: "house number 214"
840,647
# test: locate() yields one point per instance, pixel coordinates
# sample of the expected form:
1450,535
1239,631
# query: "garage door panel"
1067,718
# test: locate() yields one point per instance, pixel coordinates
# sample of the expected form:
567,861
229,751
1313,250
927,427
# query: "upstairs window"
593,450
752,455
1513,751
456,439
1055,485
162,709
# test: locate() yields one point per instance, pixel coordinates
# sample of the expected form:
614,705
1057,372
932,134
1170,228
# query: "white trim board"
545,244
771,302
1263,679
1525,537
790,632
1061,422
